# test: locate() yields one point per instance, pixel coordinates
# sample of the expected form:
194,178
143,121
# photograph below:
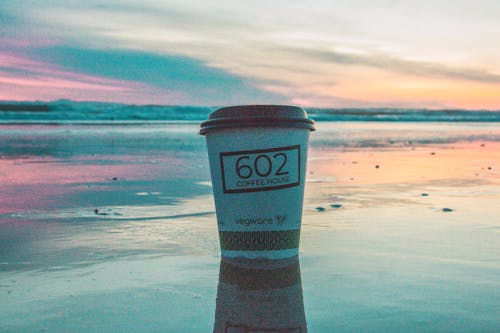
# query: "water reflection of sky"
49,167
63,185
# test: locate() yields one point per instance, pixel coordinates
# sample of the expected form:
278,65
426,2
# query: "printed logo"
260,170
280,219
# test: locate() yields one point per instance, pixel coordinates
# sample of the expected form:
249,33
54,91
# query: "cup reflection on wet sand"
263,296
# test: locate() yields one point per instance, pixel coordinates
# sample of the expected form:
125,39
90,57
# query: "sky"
324,53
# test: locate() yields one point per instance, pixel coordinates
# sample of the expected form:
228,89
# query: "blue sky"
311,53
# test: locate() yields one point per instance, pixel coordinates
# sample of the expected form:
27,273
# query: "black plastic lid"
257,116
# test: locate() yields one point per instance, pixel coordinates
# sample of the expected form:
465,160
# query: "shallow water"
112,228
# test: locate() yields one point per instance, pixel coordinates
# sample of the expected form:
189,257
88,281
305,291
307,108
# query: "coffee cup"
257,156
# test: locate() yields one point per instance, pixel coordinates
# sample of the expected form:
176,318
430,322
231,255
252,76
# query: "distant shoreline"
10,107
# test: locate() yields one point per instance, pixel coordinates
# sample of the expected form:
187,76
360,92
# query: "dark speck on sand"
336,205
377,166
319,209
425,194
447,210
97,212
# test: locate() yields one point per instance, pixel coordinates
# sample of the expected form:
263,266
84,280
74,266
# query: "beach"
111,227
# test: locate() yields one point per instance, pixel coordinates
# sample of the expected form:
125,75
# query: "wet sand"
106,228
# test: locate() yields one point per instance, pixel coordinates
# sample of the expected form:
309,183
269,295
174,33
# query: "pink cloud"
55,82
25,42
22,78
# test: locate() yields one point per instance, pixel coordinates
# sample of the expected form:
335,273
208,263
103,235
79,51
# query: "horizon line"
18,102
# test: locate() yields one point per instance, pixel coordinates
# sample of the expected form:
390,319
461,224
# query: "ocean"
65,111
107,224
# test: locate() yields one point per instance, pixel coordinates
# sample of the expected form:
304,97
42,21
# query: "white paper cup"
257,158
262,297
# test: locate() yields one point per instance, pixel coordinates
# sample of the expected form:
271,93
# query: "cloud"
200,83
124,74
392,64
246,51
21,70
228,35
23,78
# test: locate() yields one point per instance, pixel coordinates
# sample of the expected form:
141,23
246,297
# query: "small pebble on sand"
97,212
447,210
433,153
489,168
377,166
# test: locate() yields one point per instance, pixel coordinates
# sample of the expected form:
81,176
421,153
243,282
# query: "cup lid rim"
242,116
